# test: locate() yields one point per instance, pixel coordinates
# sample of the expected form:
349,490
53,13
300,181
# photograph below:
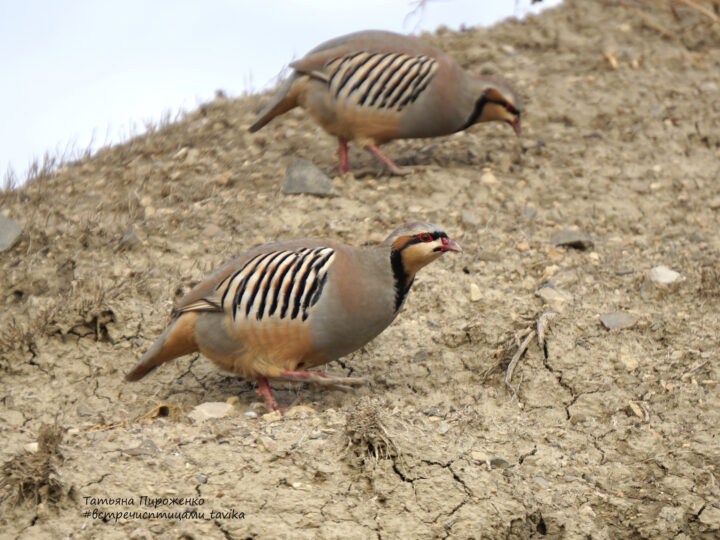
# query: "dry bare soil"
616,433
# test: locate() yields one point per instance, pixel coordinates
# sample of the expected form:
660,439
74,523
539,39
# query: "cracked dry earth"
615,433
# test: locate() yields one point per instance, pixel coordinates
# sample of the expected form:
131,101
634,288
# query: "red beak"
450,245
515,123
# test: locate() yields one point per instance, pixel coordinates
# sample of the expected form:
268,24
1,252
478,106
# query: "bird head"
418,244
497,103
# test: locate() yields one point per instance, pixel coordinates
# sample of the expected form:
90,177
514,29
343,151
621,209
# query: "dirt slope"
614,434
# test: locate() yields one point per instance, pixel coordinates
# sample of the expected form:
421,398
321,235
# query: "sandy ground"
615,433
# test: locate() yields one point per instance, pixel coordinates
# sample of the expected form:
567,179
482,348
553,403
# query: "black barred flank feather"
281,284
382,80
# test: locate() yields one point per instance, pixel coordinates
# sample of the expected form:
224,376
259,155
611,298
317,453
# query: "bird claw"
321,378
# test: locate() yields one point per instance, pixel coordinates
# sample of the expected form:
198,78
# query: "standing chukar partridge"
289,306
374,86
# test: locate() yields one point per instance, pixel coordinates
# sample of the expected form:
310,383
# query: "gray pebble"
9,233
617,320
574,239
304,177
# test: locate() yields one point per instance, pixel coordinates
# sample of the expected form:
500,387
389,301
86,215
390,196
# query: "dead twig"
692,5
516,358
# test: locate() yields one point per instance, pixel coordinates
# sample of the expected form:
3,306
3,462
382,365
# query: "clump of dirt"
368,439
603,431
34,477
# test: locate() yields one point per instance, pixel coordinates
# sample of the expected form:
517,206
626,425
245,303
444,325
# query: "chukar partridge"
374,86
285,307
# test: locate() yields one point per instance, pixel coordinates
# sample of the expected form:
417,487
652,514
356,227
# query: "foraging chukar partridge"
375,86
288,306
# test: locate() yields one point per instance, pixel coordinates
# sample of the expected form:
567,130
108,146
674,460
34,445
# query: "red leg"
267,395
344,162
389,163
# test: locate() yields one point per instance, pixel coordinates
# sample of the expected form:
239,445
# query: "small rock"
9,233
13,418
554,297
499,463
223,179
522,246
574,239
617,320
250,414
32,447
539,480
443,428
630,362
304,177
470,218
299,411
211,230
488,179
211,409
202,479
272,416
480,457
475,293
662,275
130,239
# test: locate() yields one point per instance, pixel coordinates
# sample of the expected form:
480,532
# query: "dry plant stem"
516,358
692,5
543,324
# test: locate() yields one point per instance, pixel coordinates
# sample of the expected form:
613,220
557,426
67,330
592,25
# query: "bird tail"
285,98
178,339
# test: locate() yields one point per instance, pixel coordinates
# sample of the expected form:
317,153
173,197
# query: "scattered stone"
130,239
211,230
202,479
304,177
299,411
570,238
539,480
488,179
522,246
475,293
630,362
618,320
250,414
9,233
480,457
470,218
14,418
662,275
272,416
499,463
443,428
211,409
32,447
554,297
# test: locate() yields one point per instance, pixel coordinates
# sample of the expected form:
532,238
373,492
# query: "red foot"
389,163
264,390
344,162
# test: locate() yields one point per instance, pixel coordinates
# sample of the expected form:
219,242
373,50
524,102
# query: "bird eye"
425,237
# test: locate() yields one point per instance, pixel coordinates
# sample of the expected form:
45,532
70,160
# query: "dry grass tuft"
34,477
367,436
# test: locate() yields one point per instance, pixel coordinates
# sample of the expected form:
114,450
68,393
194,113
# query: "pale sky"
78,71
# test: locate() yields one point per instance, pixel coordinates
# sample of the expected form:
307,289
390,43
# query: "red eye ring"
425,237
